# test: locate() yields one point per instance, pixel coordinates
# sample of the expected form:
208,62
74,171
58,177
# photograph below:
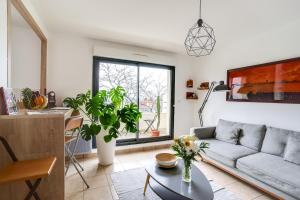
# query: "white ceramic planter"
106,151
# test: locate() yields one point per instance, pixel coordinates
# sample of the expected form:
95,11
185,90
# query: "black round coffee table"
168,184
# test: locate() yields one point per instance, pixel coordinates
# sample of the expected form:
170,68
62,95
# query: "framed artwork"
8,103
276,82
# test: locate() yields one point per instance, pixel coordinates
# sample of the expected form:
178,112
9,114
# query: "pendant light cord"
200,10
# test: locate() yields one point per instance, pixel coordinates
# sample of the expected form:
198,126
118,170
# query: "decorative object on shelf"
166,160
275,82
33,100
51,99
214,88
155,132
203,86
187,148
108,115
189,83
200,40
8,103
191,95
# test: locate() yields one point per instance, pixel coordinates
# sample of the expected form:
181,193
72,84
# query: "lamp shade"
221,87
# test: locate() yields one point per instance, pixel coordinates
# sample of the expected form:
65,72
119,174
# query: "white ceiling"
163,24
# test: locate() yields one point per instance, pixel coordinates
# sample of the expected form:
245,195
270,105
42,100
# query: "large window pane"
112,75
144,83
154,83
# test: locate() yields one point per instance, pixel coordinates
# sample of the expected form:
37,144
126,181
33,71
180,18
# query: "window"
145,83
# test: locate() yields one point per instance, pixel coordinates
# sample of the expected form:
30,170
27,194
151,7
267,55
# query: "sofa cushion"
227,131
275,141
252,136
292,150
272,170
225,152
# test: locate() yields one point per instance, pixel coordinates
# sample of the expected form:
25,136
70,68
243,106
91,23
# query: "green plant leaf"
107,138
113,132
117,96
107,119
87,131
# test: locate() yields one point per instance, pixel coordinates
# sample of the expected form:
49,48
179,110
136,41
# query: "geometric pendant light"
200,40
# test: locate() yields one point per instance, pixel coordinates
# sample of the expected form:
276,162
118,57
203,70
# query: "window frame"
95,89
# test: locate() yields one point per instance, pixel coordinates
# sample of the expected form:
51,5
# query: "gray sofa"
267,157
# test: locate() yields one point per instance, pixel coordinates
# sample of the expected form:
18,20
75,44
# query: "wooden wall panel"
33,137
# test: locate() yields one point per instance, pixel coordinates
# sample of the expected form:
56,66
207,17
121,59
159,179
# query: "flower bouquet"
187,148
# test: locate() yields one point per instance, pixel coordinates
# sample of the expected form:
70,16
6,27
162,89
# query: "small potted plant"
107,117
75,103
155,132
187,148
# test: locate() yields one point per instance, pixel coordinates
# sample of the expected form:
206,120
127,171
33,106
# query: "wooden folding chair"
73,124
26,171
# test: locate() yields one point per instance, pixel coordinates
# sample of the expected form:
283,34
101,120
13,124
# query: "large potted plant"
155,132
108,116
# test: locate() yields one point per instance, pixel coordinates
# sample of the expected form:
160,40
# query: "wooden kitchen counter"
35,136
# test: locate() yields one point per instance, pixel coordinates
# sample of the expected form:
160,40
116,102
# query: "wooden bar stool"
73,124
26,170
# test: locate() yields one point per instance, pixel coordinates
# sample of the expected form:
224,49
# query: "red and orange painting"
276,82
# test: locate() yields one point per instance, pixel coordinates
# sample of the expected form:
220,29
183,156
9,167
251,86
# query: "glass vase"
187,171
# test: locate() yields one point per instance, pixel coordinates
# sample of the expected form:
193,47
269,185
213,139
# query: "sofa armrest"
203,132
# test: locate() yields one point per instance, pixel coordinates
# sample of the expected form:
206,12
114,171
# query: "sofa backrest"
275,141
250,135
227,131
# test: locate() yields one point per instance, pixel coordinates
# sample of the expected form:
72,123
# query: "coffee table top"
171,179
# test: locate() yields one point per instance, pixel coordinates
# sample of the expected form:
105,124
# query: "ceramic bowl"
166,159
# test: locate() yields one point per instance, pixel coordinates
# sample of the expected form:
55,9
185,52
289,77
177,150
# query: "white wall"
70,62
30,7
3,43
4,79
25,58
273,45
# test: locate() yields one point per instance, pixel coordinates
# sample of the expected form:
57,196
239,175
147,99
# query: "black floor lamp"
213,88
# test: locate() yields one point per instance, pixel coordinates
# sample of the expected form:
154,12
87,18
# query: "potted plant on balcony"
107,117
155,132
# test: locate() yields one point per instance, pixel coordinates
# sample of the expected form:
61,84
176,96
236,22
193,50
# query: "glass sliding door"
151,86
117,74
154,89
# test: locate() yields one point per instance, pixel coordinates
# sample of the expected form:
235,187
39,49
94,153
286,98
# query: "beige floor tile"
97,181
243,191
222,178
146,162
71,171
73,185
130,165
131,157
90,163
75,196
113,168
101,193
94,170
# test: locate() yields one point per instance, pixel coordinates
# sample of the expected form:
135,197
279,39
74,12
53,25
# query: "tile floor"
101,187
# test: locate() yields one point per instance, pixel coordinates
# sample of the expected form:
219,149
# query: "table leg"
146,183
